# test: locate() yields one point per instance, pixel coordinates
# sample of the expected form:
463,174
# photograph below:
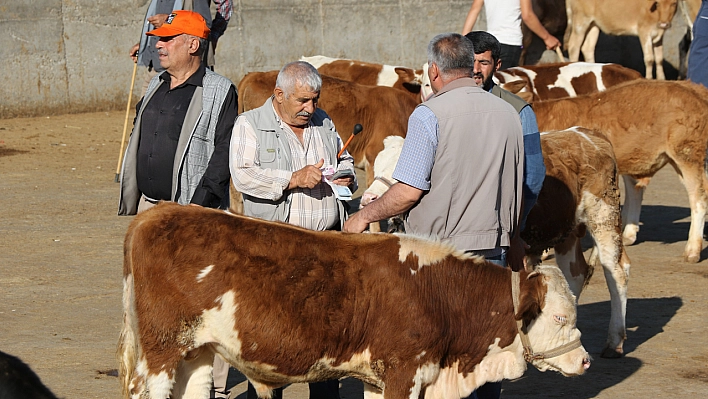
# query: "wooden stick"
125,124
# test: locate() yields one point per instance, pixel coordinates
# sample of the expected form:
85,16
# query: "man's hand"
307,177
355,224
516,258
551,42
157,20
134,52
344,181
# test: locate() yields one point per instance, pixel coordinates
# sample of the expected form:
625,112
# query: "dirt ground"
61,256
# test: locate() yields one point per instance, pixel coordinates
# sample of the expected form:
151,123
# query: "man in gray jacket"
179,148
461,168
278,154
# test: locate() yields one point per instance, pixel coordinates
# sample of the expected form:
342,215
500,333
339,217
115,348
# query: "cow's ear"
514,87
531,298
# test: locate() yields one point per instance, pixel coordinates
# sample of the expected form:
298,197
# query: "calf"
649,124
284,304
382,111
580,192
647,19
370,74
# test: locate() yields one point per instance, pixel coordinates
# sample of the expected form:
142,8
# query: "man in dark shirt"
179,147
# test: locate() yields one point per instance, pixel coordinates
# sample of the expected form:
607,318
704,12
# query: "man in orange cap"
145,53
179,148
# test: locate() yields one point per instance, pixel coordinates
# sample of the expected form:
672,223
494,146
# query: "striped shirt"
315,208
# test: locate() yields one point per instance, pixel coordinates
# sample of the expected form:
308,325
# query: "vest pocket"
267,155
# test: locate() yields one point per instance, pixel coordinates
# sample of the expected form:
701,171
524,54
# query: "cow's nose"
366,199
586,363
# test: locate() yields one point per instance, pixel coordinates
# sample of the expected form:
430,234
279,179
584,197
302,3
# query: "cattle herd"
403,314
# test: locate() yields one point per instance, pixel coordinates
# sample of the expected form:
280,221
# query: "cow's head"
549,323
665,10
384,165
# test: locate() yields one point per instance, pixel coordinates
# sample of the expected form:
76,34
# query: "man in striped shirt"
277,153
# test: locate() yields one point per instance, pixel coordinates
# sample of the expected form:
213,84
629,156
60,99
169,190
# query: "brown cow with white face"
650,124
284,304
647,19
580,193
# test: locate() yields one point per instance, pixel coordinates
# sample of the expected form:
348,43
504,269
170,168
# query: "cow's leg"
193,377
658,48
603,221
694,179
570,259
371,392
577,35
590,43
634,192
648,49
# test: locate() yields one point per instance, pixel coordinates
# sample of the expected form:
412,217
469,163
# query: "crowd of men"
470,170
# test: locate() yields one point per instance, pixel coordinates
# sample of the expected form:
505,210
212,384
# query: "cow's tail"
128,346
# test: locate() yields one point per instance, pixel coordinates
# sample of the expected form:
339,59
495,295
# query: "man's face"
174,51
296,108
484,68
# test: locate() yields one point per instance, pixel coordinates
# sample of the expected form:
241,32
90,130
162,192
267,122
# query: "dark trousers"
318,390
510,56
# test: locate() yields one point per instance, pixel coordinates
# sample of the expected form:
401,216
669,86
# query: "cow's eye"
560,319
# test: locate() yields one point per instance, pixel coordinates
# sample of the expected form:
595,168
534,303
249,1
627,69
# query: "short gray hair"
452,53
298,73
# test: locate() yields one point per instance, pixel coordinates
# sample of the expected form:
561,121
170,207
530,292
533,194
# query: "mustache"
304,113
478,75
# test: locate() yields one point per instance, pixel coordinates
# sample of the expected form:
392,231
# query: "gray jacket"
474,200
275,154
194,149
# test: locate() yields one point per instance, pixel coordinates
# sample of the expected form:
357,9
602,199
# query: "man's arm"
397,200
224,10
472,16
534,168
214,183
531,20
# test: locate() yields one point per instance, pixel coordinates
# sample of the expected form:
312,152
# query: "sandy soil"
60,284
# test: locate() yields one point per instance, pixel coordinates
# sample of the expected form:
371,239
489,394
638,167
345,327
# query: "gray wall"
63,56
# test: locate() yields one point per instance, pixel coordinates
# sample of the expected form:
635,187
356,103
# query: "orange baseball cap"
182,21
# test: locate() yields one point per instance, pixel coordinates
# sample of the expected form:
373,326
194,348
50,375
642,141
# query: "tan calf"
650,124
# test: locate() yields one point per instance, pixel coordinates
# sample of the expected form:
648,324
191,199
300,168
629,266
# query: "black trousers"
318,390
510,56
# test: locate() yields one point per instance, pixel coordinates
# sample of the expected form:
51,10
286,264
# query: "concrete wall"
63,56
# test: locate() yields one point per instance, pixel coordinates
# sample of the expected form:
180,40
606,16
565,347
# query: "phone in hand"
342,174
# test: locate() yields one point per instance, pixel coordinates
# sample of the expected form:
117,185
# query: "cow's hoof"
692,258
612,353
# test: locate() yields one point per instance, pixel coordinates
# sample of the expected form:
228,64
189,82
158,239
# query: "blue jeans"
698,53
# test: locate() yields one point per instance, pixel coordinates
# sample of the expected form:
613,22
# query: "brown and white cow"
284,304
369,73
650,124
647,19
549,81
580,192
381,110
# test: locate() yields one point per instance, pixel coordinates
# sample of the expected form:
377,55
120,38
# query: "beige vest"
474,201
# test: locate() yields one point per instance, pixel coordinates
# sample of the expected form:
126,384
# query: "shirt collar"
196,79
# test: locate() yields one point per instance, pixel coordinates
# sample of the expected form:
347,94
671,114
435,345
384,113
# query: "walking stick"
560,54
125,124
